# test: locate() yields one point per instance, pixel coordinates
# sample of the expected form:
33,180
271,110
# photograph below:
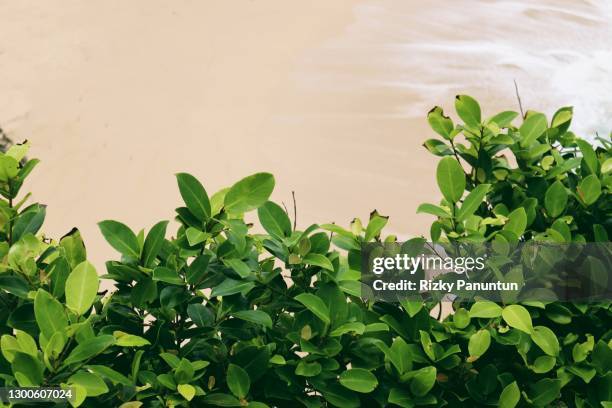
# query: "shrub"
219,315
47,289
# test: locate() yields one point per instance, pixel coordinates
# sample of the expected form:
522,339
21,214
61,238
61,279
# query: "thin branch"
518,97
294,211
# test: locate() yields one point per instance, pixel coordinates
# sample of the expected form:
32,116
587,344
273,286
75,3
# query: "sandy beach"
116,97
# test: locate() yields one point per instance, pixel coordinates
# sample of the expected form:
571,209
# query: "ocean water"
558,51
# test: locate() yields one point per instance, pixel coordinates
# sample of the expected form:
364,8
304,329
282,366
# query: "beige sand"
117,96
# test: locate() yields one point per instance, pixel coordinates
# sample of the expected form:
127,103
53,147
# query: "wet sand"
116,97
330,96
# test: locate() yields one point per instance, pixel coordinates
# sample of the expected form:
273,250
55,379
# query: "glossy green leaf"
432,209
546,339
532,128
451,179
359,379
316,305
485,309
93,384
200,315
589,189
81,287
50,314
194,195
153,243
555,200
319,260
423,381
441,124
479,343
509,396
274,220
186,390
468,110
472,201
89,348
518,317
238,381
249,193
254,316
120,237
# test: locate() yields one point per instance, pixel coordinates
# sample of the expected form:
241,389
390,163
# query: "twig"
294,211
285,207
518,97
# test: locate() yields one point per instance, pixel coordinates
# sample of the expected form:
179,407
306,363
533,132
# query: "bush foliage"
220,315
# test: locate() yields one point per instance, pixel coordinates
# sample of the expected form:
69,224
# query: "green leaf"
49,313
231,287
339,396
82,287
184,371
468,110
239,267
9,168
359,379
316,305
401,397
546,340
545,391
306,369
153,243
249,193
433,210
254,316
437,147
451,179
93,384
194,195
238,381
543,364
120,237
351,327
274,220
517,222
532,128
375,225
473,201
200,315
461,318
606,167
164,274
555,199
423,381
15,285
589,157
28,370
479,343
319,260
18,151
442,125
518,317
510,396
109,374
485,309
89,348
221,400
129,340
589,189
29,221
187,391
79,394
504,119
